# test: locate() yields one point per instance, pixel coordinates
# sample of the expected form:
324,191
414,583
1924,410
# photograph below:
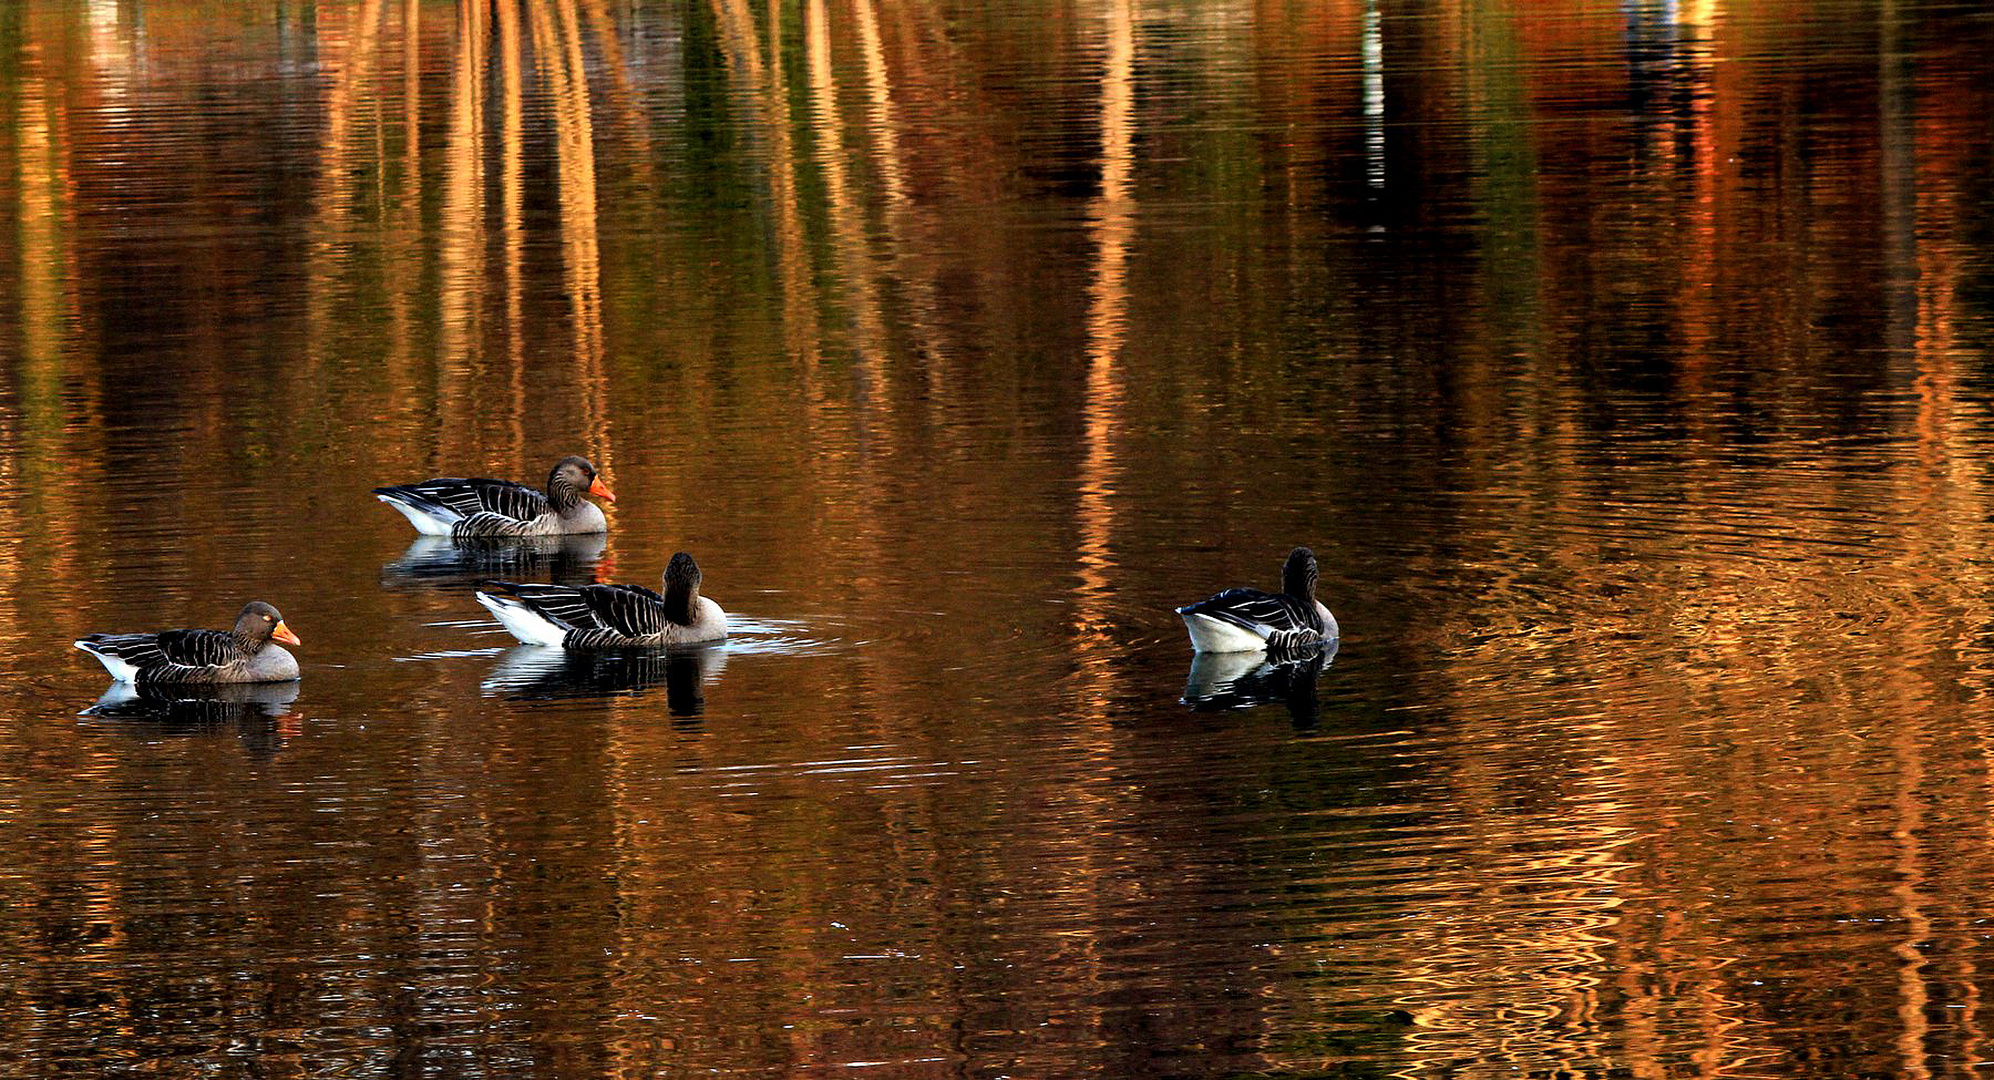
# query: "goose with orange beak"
247,654
470,508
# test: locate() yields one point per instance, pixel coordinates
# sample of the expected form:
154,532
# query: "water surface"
1626,367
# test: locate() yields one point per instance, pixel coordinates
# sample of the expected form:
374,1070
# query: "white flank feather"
119,669
525,624
1217,635
427,521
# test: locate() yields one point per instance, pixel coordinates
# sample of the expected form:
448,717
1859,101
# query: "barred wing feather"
198,648
595,616
1278,617
558,603
138,650
170,655
468,496
630,610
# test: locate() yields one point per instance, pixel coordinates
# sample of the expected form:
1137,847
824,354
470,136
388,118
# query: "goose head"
1298,575
258,625
572,478
681,589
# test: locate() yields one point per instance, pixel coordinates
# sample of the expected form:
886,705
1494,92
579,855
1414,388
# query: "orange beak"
596,489
283,634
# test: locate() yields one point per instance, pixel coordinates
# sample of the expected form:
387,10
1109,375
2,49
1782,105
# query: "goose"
1240,620
465,508
246,654
600,617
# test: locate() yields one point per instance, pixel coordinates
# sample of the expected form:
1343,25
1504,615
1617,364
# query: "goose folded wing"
559,603
198,648
630,610
476,495
139,650
1256,610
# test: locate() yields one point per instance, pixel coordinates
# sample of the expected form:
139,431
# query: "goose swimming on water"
1239,620
464,508
246,654
603,617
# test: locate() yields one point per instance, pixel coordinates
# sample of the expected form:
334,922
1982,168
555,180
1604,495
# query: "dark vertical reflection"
1625,366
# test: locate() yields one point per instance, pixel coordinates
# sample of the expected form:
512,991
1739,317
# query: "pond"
1624,366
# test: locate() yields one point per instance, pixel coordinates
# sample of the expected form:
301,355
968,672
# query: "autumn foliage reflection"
1636,407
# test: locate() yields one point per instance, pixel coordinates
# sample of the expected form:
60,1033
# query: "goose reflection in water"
258,713
1242,680
438,561
539,673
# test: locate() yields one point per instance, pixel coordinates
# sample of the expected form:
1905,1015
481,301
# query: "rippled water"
1626,366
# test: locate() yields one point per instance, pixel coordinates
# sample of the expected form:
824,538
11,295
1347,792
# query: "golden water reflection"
1625,367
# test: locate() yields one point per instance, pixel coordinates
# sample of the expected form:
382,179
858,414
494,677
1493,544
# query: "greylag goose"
602,617
1239,620
466,508
246,654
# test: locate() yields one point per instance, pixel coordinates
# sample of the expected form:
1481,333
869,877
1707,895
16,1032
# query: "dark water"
1626,365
